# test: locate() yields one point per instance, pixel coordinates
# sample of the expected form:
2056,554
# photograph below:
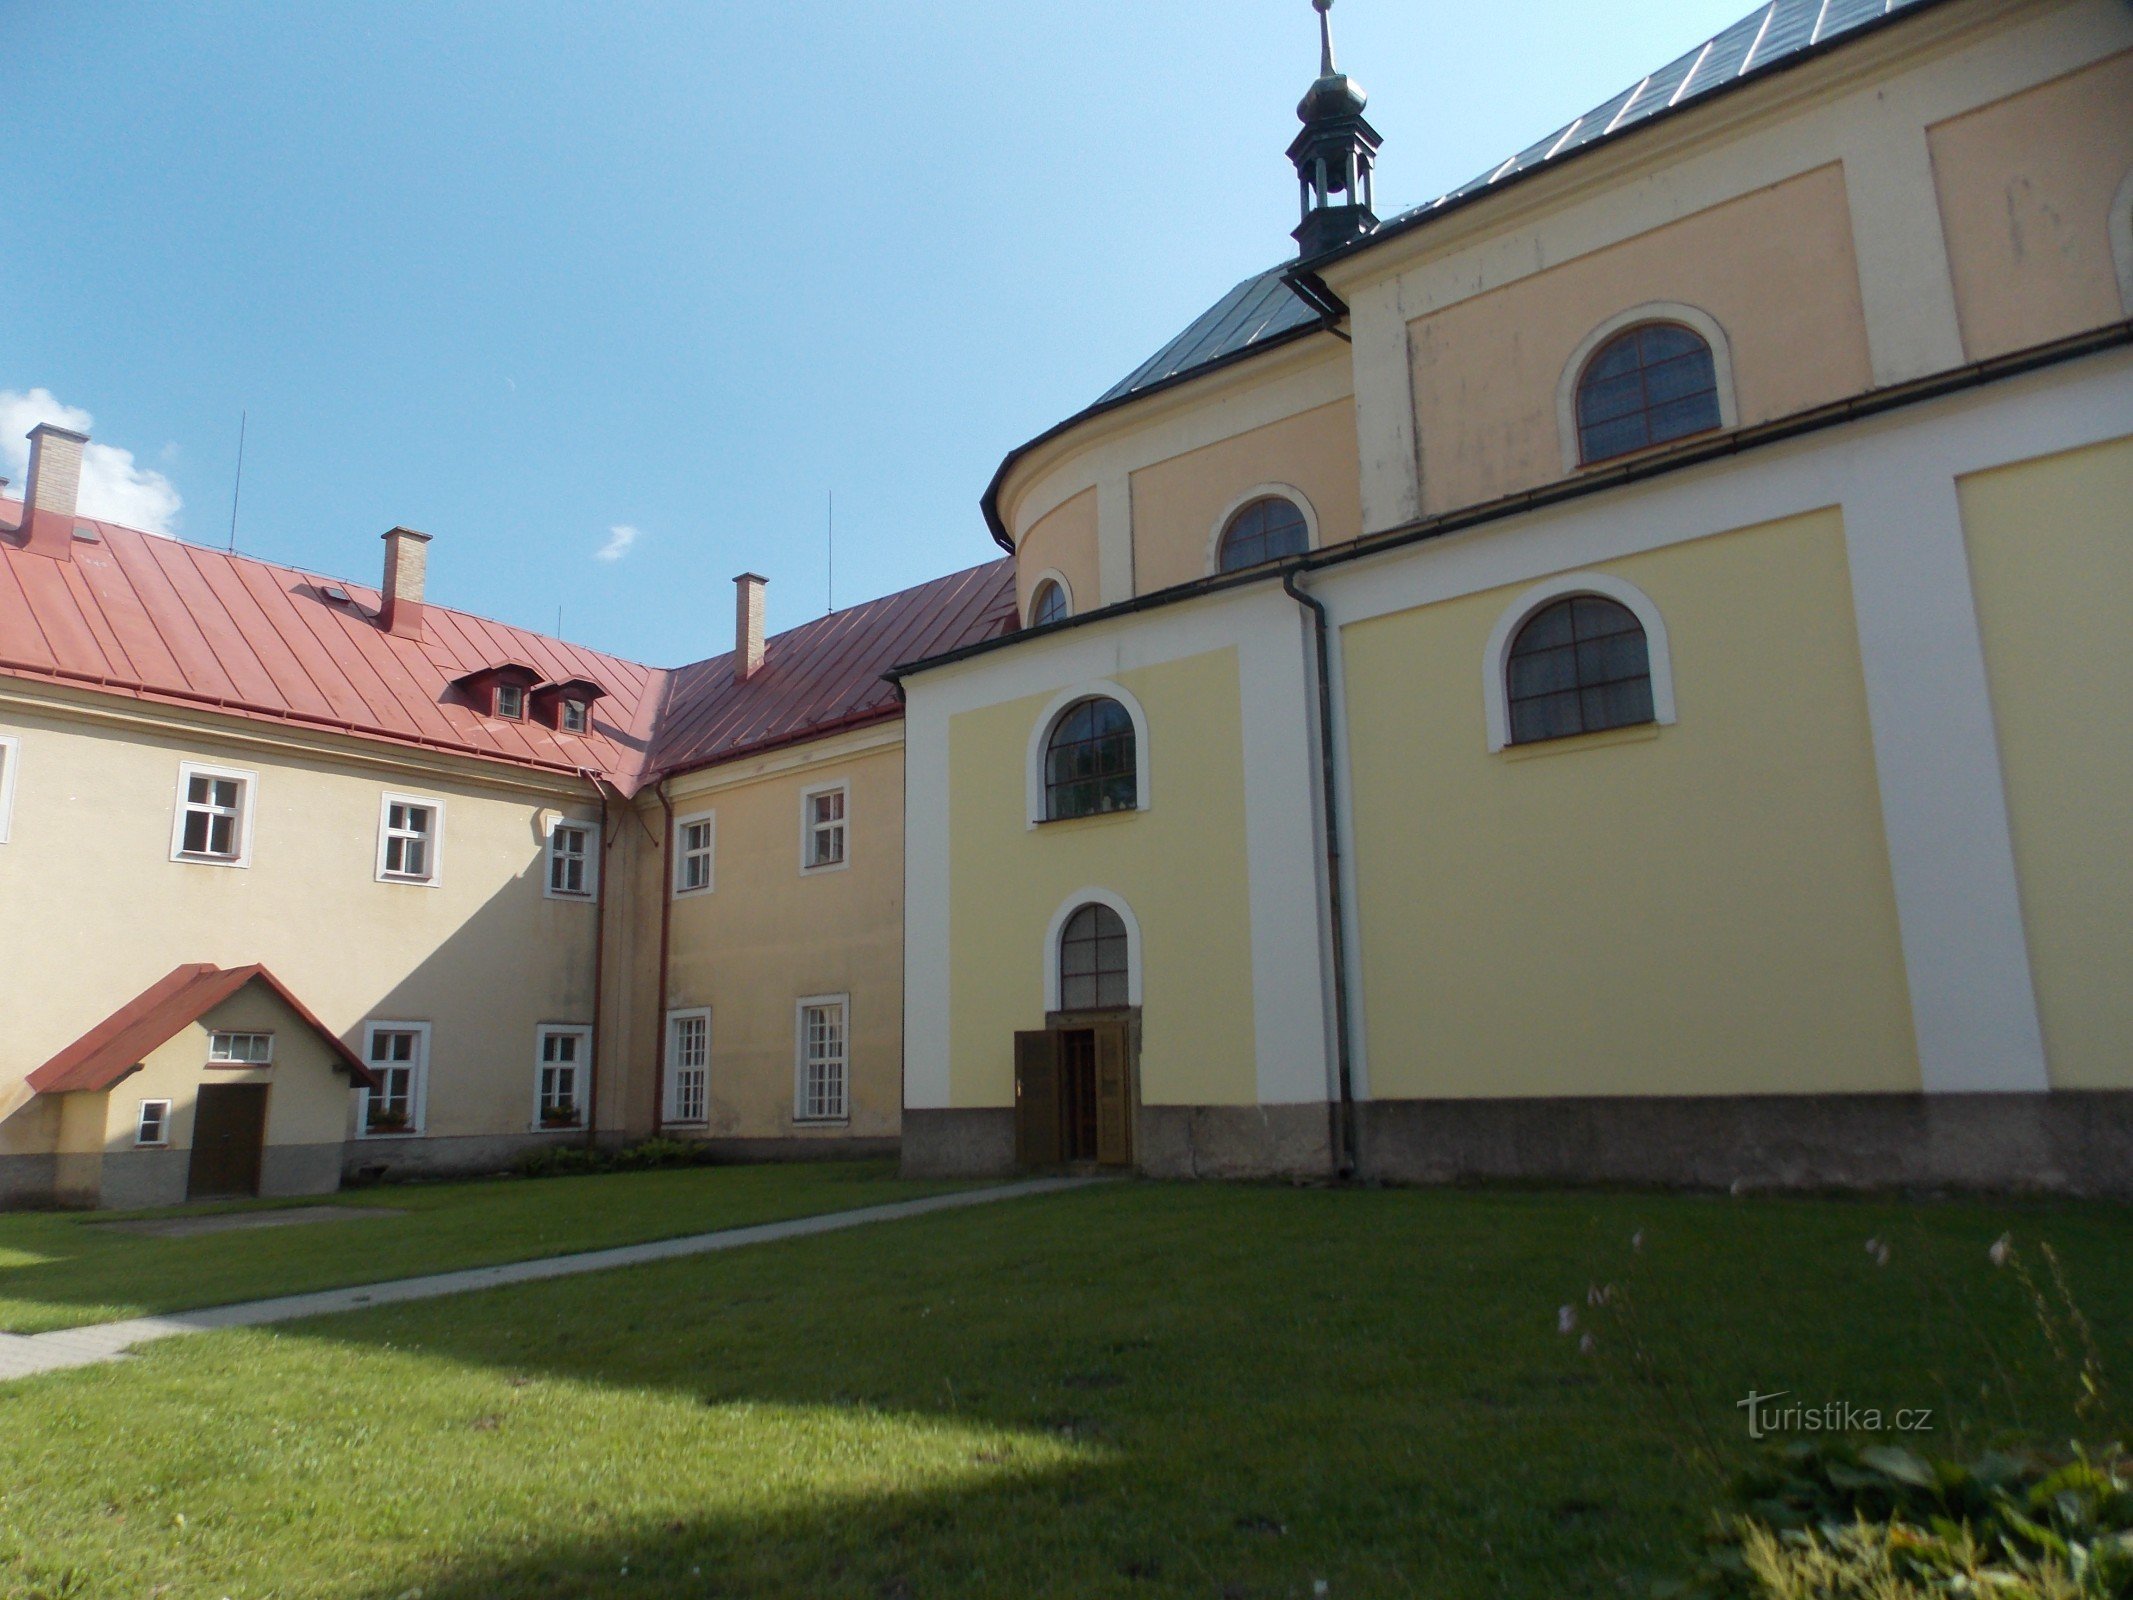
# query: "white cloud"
114,487
619,539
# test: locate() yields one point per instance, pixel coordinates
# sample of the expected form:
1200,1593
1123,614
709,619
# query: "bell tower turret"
1334,154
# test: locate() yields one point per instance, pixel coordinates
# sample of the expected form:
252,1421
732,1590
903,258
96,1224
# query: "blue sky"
524,274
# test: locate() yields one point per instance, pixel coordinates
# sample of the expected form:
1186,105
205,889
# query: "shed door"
229,1131
1037,1099
1114,1094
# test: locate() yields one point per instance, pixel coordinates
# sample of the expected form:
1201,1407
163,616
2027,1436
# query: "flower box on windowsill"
560,1119
386,1123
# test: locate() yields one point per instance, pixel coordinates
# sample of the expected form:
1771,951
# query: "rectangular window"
559,1082
9,748
410,829
822,824
240,1049
154,1124
398,1054
574,717
510,700
821,1095
694,838
214,821
572,870
688,1065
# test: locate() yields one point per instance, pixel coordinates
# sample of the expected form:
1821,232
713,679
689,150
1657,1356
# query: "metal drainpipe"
1344,1123
665,881
592,1090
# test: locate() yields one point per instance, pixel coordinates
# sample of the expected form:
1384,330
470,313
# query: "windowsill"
414,883
161,1144
687,1127
1119,815
1640,733
564,894
388,1133
692,894
558,1127
185,859
827,866
240,1066
821,1122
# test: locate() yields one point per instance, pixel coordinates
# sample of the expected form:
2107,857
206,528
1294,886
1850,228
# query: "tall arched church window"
1266,530
1580,665
1090,760
1645,386
1093,960
1048,603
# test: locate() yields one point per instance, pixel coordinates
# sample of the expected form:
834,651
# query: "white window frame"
709,822
843,1003
10,759
1040,738
248,783
1066,592
434,839
1496,658
591,892
215,1039
581,1069
1260,491
843,825
1566,387
672,1111
418,1087
161,1141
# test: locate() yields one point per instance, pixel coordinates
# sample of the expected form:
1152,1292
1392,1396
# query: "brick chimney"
55,480
407,561
748,625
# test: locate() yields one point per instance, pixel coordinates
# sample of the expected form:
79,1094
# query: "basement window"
240,1049
153,1125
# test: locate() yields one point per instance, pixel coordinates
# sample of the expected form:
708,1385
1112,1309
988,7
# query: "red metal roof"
827,674
118,1044
156,619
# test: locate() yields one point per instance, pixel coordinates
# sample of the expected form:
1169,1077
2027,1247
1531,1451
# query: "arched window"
1266,530
1093,960
1646,385
1089,761
1579,665
1047,603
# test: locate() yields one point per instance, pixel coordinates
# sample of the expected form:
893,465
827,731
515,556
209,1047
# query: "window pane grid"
251,1049
822,1062
1048,604
557,1089
212,810
1089,765
407,840
393,1055
695,855
1265,530
1579,666
1092,961
825,828
567,849
1646,386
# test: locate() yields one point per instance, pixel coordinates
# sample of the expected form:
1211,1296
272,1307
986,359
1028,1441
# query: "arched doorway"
1074,1088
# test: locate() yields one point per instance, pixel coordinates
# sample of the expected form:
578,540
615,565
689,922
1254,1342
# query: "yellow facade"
1697,909
1180,865
2051,555
769,933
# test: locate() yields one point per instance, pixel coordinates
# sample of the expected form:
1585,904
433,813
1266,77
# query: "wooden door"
229,1132
1114,1093
1037,1099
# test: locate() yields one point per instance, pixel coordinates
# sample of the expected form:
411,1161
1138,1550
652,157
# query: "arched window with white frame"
1582,653
1645,377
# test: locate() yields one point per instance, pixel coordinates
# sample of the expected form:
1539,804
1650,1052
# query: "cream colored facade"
1844,910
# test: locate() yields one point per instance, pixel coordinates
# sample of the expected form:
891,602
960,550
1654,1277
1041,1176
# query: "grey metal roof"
1258,310
1262,309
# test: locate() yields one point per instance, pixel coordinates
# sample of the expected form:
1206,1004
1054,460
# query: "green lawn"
60,1269
1131,1390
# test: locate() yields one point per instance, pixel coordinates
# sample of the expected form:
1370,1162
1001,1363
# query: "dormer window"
510,701
575,716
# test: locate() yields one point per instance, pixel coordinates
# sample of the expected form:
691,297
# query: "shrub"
563,1160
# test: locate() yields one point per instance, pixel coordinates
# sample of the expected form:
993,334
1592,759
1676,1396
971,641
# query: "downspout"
592,1089
1344,1153
666,922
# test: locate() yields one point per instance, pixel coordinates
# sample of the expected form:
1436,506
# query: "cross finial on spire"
1325,37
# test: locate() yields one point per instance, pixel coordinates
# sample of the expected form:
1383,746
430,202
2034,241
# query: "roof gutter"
1698,452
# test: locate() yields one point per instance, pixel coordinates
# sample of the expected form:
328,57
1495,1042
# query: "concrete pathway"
23,1356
